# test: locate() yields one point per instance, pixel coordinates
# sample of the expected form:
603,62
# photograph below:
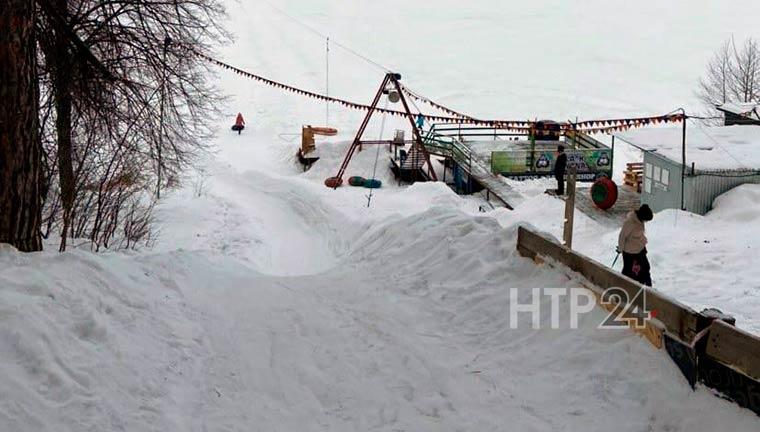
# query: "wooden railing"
706,349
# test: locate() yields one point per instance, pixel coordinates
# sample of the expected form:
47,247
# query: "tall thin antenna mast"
327,80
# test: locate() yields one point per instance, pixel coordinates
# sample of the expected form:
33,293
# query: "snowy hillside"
409,332
273,303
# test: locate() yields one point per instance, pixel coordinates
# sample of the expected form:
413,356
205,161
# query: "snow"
749,109
703,261
395,337
739,205
708,148
274,303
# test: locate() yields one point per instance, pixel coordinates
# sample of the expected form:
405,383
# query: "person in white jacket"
632,243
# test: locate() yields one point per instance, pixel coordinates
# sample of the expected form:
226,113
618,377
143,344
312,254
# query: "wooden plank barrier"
677,319
704,348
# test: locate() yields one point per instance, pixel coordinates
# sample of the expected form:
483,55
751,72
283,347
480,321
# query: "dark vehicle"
547,130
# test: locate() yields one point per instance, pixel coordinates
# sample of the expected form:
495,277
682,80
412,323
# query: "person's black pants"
560,184
636,266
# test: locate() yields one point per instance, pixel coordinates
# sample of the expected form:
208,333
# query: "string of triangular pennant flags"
314,95
526,126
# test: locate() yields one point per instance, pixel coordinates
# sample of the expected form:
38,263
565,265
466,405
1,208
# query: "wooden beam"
677,319
734,347
567,234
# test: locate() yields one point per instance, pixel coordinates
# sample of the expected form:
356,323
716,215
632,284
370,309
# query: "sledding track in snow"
403,324
388,318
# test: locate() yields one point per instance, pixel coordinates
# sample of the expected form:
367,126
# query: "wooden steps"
415,159
633,175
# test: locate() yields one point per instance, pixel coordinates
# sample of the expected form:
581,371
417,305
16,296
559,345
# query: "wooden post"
567,234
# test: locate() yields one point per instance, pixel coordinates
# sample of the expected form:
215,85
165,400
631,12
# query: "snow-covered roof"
746,109
709,148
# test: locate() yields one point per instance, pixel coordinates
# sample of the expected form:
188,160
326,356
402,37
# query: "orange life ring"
604,193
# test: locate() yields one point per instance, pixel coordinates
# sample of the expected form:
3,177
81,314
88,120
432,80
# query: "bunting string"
518,126
423,99
314,95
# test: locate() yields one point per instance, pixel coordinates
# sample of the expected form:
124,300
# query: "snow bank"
362,163
739,205
93,342
395,336
274,303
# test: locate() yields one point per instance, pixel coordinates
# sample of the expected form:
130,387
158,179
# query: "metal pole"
683,161
327,81
357,140
532,147
612,158
394,79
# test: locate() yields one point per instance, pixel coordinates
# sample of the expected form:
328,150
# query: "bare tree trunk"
20,146
101,73
60,60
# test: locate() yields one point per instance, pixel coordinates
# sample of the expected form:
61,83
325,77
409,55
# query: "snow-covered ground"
703,261
273,303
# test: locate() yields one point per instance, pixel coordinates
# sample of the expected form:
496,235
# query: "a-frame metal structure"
391,80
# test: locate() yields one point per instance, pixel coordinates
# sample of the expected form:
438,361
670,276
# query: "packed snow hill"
288,306
273,303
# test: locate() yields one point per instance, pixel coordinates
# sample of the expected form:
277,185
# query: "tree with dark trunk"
59,59
131,107
20,146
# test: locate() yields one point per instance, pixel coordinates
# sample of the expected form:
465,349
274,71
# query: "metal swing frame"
392,79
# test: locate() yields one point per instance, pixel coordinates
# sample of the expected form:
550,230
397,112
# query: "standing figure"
239,123
420,121
632,243
559,169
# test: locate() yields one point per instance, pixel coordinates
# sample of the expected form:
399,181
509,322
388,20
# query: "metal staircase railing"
448,146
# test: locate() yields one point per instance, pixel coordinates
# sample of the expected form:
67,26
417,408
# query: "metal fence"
662,184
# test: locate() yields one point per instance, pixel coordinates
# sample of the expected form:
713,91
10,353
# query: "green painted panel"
588,162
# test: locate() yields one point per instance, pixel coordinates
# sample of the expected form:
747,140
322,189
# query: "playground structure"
417,157
527,157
